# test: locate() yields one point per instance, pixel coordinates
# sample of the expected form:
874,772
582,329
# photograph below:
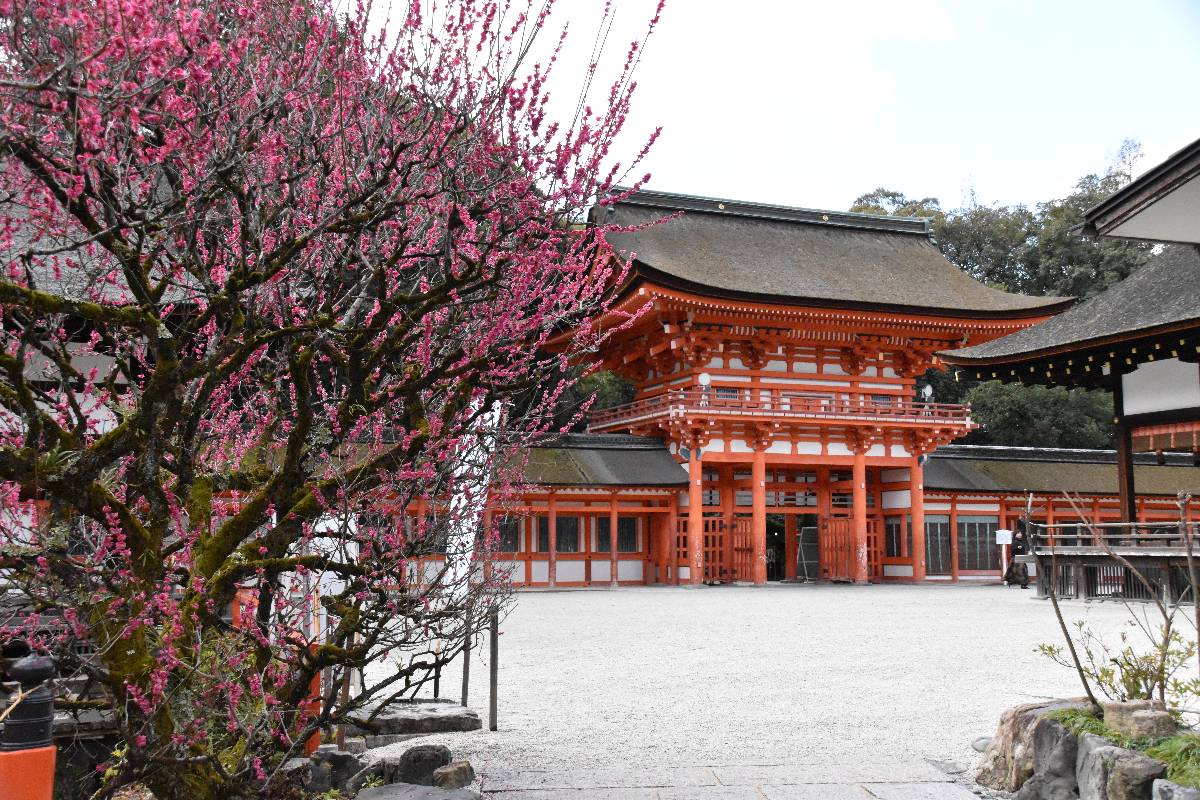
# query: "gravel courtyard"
827,676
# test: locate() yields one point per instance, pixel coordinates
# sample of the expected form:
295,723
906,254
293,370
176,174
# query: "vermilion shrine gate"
778,356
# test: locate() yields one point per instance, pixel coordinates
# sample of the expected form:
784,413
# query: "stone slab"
815,791
709,793
920,791
599,779
577,794
783,775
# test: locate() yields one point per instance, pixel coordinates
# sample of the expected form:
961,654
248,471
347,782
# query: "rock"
417,764
1007,761
1107,772
1151,724
385,770
383,740
455,775
1044,787
407,791
1165,790
419,718
1055,750
341,764
1119,715
980,744
356,745
294,774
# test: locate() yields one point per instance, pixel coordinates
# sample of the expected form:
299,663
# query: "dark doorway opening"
808,567
776,547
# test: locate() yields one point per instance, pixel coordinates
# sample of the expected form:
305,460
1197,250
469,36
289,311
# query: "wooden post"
1126,485
728,509
791,545
552,543
672,545
954,538
859,481
494,666
612,539
466,676
916,474
758,495
695,535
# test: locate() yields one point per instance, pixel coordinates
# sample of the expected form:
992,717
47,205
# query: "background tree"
269,284
1031,252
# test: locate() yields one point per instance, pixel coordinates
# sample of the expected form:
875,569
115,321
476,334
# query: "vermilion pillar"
552,545
791,546
916,474
758,522
612,539
859,479
695,537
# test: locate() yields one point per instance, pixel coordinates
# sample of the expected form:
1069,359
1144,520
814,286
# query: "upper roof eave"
1180,167
644,273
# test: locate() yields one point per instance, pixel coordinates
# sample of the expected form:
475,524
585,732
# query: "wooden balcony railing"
1141,538
678,404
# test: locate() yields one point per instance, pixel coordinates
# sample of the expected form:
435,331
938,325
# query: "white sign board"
1003,536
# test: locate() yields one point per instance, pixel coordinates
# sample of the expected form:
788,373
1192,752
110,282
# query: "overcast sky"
813,103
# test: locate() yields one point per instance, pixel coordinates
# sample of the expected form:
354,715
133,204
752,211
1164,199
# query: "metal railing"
782,406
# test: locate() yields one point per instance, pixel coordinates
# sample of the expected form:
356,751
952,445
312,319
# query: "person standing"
1018,571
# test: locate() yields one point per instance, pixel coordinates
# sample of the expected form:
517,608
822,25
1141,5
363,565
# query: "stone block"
1107,772
417,764
408,791
1165,790
455,775
1118,715
1055,749
1151,724
1046,787
1008,760
341,765
418,718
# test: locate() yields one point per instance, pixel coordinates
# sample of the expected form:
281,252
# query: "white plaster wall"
805,366
993,507
808,448
601,569
898,570
736,363
833,369
569,570
685,573
877,450
899,451
897,499
1161,386
839,449
739,446
777,366
780,447
629,570
893,475
716,445
540,571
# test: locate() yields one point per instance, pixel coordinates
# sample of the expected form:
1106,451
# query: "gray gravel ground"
829,676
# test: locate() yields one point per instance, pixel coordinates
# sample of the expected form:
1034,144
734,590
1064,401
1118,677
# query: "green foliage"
1032,251
1080,721
1182,756
1181,753
1122,672
608,388
1017,415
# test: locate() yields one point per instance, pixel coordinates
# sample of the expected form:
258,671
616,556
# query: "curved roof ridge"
767,253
